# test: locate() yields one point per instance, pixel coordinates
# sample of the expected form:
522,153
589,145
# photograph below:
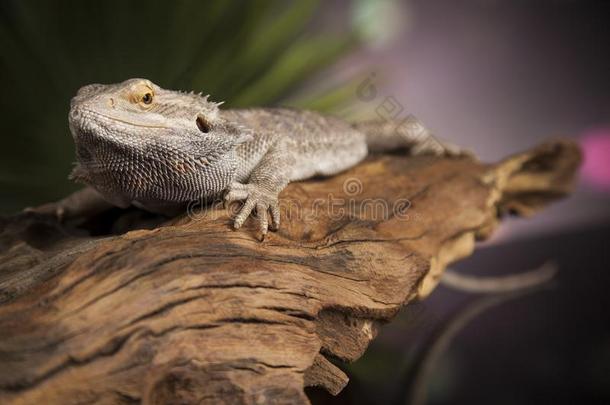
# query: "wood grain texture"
190,311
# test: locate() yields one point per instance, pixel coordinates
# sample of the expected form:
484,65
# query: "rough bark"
189,311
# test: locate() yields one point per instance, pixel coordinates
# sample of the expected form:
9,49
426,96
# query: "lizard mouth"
135,124
77,113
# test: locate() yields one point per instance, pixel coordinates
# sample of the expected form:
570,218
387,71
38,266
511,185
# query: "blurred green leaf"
248,53
295,65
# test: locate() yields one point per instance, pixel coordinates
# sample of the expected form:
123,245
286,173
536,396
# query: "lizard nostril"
111,102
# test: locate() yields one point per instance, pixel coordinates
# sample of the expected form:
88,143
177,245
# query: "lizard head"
138,137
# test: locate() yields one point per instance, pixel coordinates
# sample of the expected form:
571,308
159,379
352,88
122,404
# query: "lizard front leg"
80,204
264,185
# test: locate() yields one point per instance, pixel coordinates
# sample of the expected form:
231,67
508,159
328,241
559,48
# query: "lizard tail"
384,135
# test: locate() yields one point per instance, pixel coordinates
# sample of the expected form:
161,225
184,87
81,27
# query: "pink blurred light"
596,167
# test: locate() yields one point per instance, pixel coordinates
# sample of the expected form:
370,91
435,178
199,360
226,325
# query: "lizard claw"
256,199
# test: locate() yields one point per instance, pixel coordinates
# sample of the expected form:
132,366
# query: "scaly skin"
158,149
137,143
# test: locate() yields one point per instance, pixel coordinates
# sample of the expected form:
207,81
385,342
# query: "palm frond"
248,53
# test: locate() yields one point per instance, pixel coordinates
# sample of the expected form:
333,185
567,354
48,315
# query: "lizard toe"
275,217
238,186
256,199
54,210
235,195
244,213
261,214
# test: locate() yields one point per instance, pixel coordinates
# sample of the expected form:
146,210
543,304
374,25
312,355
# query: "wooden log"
190,311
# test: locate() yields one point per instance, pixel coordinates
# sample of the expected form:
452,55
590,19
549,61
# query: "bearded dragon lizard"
137,143
158,149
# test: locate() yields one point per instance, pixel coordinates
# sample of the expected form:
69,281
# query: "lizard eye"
203,125
147,98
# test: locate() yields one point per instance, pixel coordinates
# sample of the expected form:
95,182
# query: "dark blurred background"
496,76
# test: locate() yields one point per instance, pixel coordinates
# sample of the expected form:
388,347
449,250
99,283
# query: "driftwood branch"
189,311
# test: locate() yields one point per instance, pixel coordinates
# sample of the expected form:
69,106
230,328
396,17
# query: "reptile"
137,143
158,149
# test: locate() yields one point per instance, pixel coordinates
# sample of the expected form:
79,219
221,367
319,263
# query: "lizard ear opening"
203,124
